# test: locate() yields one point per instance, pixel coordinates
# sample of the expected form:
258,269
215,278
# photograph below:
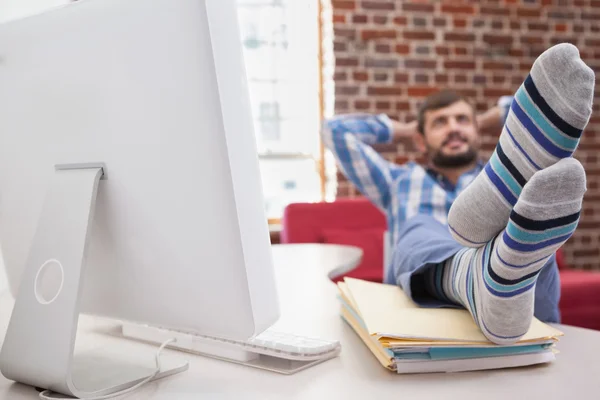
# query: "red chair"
358,222
350,222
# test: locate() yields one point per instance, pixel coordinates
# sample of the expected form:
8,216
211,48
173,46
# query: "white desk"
309,306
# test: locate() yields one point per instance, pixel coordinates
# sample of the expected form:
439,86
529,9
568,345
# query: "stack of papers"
406,338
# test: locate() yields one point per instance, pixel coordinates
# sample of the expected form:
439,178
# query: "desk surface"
309,306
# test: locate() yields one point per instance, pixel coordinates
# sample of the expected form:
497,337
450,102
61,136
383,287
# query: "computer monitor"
128,164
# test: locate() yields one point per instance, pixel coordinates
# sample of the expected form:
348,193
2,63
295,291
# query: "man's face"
451,137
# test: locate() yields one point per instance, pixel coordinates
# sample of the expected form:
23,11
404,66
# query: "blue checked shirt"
400,191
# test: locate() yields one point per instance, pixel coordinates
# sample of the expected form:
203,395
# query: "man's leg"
496,282
424,244
546,120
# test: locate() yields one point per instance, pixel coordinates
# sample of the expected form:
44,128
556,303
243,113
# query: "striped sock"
546,119
496,282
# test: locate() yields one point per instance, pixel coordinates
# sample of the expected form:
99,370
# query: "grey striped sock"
544,125
496,282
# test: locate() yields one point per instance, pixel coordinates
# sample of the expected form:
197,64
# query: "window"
281,49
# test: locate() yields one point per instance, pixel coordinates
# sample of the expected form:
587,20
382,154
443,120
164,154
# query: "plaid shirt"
400,191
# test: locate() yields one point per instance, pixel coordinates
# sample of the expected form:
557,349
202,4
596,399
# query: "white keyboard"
274,350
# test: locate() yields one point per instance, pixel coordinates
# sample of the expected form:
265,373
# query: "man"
474,235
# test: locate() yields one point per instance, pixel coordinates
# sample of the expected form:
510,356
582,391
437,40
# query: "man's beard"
442,160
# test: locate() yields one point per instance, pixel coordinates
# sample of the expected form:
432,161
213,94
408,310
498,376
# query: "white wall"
11,9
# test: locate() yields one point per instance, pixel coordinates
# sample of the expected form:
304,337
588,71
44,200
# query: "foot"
544,125
496,282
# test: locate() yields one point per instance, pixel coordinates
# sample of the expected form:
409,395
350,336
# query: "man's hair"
438,100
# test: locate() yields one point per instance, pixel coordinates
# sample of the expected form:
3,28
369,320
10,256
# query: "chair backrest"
355,222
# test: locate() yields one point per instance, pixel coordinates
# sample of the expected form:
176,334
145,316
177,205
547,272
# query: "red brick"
532,39
359,19
362,104
346,90
590,16
372,34
588,212
385,90
345,33
417,7
439,22
378,5
495,11
538,26
420,64
419,35
422,79
529,12
460,23
524,67
595,3
377,62
340,76
341,105
441,78
460,78
499,78
560,27
383,48
587,252
340,46
400,20
468,92
339,19
360,76
497,66
401,77
343,190
479,79
380,19
458,9
561,39
516,52
421,91
592,42
343,4
402,105
346,61
459,64
459,37
402,48
442,50
561,13
380,76
461,51
383,105
498,39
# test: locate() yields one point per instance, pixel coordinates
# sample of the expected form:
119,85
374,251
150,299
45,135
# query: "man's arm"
496,116
349,138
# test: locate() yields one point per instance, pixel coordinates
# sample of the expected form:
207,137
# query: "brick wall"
389,54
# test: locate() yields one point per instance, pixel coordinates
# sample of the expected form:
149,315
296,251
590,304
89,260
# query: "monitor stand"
38,349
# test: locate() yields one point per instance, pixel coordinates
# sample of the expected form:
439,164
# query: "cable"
45,394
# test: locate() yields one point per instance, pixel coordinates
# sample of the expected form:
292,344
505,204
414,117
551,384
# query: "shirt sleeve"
349,138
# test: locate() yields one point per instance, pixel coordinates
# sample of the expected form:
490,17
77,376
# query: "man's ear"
419,141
